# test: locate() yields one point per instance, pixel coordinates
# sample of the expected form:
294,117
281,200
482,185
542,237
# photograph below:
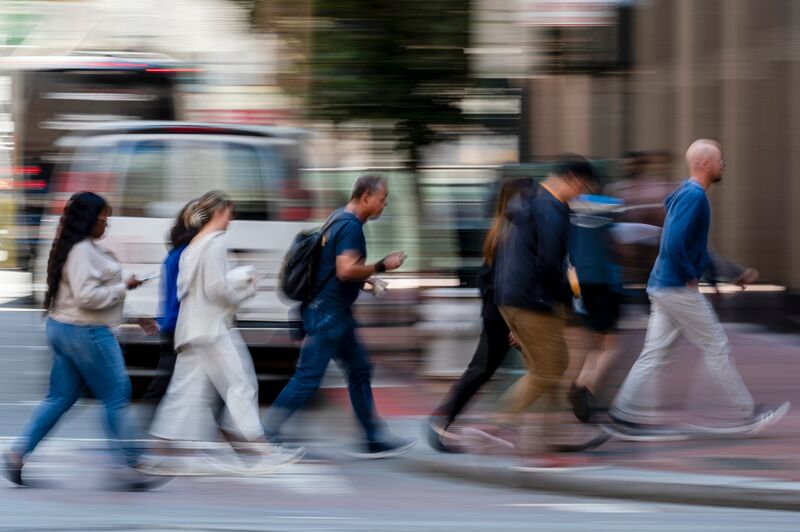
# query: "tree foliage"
402,62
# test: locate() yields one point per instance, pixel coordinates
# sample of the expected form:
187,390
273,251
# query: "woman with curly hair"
84,300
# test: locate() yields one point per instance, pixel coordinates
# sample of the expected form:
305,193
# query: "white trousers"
202,372
673,312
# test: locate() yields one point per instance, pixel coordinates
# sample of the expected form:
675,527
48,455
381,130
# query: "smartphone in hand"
148,277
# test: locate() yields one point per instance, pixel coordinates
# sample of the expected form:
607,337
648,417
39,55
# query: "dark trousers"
166,367
490,353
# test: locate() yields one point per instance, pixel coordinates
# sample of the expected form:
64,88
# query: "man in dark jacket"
530,285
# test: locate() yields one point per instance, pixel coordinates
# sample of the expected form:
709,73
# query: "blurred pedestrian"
678,308
530,282
494,341
595,342
643,189
179,237
212,358
84,300
330,326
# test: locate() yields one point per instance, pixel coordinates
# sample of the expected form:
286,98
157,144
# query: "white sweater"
91,291
209,291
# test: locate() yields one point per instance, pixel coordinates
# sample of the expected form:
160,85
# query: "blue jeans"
83,356
330,335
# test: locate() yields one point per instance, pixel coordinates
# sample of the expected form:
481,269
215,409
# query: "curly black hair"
80,216
180,233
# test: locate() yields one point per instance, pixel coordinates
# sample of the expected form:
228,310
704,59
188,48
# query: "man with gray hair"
678,308
329,323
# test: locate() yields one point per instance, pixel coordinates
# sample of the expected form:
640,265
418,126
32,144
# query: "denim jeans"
330,335
83,356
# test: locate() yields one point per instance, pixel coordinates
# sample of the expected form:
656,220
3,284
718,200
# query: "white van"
148,171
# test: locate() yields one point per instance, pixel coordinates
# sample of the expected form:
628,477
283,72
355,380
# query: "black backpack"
299,268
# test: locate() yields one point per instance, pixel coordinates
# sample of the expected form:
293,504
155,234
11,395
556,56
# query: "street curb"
655,486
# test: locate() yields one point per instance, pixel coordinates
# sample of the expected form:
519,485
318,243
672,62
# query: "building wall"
723,69
728,70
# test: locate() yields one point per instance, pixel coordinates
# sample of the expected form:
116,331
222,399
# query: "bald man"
678,308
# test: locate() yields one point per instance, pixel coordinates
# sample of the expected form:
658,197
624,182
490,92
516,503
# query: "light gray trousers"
676,311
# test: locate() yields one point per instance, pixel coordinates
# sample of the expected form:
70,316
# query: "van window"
199,167
145,178
245,181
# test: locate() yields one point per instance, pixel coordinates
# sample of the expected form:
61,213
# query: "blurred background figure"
494,342
642,190
594,343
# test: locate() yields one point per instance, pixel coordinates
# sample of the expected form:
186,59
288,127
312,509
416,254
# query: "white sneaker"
278,458
759,421
766,417
390,448
186,466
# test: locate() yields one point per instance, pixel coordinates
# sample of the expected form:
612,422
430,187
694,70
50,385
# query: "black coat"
531,255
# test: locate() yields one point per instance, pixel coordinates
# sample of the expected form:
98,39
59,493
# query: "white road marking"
587,507
303,478
307,478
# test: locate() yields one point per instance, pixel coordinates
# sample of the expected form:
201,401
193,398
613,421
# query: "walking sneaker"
441,439
499,438
199,464
581,399
627,431
266,464
587,444
762,418
12,468
136,479
390,448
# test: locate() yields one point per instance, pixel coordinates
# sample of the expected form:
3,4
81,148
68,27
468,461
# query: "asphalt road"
327,492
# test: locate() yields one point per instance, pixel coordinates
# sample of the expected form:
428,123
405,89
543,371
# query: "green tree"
402,62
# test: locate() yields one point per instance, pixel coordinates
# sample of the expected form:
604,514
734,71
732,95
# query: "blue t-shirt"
345,235
169,290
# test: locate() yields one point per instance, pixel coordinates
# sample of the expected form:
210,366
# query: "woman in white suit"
212,358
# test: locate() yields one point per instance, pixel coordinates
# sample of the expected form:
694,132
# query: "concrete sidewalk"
617,482
761,471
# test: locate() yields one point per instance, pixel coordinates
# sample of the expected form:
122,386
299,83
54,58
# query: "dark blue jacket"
531,255
683,253
169,290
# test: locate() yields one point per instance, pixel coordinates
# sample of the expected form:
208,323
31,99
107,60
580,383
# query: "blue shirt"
169,290
346,235
591,254
683,255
